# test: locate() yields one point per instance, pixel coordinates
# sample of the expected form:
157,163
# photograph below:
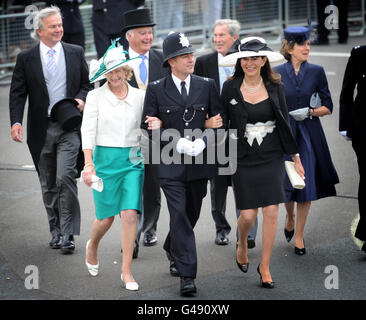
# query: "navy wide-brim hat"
66,114
175,44
297,34
137,18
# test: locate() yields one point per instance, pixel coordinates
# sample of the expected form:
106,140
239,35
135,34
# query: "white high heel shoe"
132,286
92,268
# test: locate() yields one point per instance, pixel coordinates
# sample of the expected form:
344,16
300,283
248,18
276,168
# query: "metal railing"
194,17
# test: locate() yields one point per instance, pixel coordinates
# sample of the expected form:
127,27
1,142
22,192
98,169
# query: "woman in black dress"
255,103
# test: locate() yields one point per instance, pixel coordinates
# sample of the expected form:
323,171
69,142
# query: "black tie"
184,91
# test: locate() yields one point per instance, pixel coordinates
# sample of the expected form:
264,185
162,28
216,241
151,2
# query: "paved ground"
331,248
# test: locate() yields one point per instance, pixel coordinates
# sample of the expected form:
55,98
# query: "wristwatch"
296,155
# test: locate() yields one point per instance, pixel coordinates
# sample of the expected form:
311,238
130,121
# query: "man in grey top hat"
45,74
181,100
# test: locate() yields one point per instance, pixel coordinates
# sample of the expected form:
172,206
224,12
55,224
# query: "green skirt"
122,171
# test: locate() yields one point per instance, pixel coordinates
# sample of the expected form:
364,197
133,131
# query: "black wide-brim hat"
66,114
137,18
175,44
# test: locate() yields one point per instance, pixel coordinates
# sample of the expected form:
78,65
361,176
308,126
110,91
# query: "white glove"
300,114
344,135
197,147
315,101
183,145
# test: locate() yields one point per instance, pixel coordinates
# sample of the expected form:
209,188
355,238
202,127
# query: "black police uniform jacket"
352,110
163,100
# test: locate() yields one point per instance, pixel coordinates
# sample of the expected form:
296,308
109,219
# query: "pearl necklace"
252,90
123,95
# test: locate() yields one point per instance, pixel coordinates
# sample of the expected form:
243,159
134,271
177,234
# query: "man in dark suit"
72,21
138,29
107,21
351,116
182,100
226,34
46,74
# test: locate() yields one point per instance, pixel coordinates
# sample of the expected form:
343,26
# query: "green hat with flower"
114,57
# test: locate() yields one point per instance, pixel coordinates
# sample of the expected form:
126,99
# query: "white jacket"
110,122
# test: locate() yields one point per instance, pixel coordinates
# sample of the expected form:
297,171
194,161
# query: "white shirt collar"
177,82
114,100
44,49
133,54
219,56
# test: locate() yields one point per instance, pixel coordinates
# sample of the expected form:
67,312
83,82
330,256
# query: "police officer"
182,100
351,115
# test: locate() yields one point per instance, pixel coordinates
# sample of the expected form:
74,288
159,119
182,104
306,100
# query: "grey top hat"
137,18
175,44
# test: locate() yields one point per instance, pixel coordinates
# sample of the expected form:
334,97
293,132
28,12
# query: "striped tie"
51,63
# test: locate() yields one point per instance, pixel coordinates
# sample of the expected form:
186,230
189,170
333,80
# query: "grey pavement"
24,235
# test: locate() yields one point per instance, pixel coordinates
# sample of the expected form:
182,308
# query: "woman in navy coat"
307,98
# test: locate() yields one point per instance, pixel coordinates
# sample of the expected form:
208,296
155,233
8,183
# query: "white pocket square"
233,102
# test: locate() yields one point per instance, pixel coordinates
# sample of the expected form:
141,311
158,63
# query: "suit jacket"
208,66
71,17
164,101
156,71
352,111
233,103
28,82
108,14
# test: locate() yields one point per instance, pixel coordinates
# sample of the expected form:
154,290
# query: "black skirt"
260,185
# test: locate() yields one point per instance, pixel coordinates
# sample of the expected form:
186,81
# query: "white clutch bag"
296,181
97,183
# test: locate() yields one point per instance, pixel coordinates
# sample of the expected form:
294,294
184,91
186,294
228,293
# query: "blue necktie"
228,71
143,69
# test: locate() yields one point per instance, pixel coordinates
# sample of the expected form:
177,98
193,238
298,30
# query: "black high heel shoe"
364,247
243,267
301,251
289,234
267,285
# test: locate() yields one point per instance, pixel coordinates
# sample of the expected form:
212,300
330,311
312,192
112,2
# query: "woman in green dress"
110,141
